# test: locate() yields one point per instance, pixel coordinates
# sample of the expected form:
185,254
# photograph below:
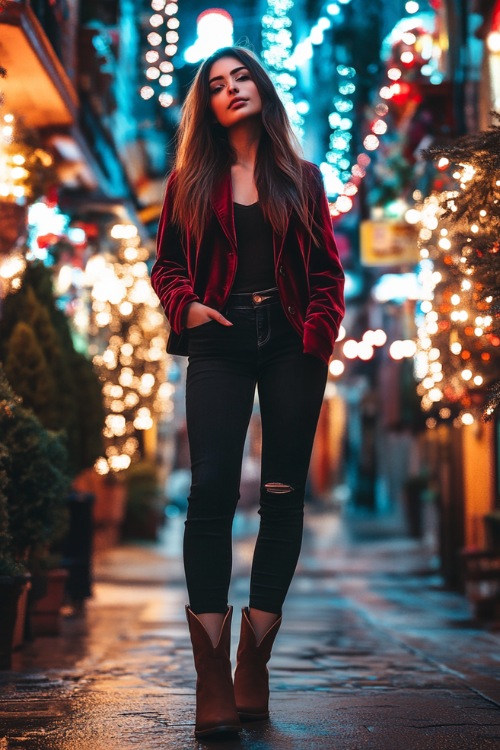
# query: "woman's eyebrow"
232,72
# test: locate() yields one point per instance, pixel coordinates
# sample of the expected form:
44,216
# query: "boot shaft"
251,679
215,705
248,641
200,639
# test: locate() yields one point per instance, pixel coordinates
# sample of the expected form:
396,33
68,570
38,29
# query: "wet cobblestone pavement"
373,653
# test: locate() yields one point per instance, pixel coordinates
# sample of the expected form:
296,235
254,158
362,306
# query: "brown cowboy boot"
251,679
215,707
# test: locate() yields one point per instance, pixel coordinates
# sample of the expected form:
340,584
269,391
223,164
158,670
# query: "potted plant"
13,577
42,365
61,387
36,482
45,610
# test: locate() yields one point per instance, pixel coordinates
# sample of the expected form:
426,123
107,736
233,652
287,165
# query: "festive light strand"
12,269
411,51
336,168
159,59
17,162
457,348
277,54
132,363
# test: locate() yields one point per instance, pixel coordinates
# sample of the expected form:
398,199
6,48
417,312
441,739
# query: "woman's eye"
240,77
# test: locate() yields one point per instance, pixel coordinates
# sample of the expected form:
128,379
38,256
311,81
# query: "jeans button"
257,298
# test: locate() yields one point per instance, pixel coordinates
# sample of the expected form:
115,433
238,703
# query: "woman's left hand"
197,314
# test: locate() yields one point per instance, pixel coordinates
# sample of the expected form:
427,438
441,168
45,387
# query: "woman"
249,276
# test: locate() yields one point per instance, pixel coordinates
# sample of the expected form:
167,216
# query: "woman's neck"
244,139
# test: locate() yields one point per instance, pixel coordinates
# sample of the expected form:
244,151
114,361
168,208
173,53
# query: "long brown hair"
204,153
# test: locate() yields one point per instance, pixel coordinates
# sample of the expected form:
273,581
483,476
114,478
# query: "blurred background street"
390,635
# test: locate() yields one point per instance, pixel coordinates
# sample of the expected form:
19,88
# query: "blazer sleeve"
170,276
326,306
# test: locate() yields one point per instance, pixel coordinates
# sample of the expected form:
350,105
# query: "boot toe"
217,730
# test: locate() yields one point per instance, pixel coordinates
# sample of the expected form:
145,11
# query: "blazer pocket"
177,343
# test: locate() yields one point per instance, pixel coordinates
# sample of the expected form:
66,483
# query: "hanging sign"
388,243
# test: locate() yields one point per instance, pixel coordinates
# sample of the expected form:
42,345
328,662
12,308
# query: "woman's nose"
233,88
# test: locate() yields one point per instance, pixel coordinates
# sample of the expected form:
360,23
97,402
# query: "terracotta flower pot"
46,611
108,507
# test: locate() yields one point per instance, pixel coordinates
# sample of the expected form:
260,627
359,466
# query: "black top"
254,239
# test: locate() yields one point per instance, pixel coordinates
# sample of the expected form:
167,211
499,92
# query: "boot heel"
221,730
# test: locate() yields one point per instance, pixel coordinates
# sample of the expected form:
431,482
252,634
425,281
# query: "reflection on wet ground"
373,653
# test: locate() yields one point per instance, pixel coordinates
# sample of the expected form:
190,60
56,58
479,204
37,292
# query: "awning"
37,87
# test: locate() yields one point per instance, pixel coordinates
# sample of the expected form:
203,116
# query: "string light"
454,324
277,54
127,328
12,268
352,179
17,164
406,47
336,168
163,41
341,174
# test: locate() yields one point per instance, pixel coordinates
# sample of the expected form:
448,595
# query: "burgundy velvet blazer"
310,278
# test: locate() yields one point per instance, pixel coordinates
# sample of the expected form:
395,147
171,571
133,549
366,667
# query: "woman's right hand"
197,314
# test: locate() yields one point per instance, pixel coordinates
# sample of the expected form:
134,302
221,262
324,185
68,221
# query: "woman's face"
233,94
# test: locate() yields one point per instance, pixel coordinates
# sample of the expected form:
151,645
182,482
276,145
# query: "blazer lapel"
222,203
279,241
278,244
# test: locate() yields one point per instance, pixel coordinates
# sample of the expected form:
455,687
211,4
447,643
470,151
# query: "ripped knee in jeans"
277,488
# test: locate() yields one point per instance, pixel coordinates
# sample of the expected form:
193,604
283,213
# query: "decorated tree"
90,410
37,478
43,367
128,332
27,368
459,358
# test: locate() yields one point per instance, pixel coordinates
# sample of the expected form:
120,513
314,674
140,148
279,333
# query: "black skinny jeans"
225,365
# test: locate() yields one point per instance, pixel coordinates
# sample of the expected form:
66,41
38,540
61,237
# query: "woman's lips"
237,102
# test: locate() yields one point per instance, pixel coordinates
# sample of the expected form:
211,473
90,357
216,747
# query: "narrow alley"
249,258
373,653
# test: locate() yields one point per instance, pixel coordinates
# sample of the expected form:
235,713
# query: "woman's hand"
197,314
